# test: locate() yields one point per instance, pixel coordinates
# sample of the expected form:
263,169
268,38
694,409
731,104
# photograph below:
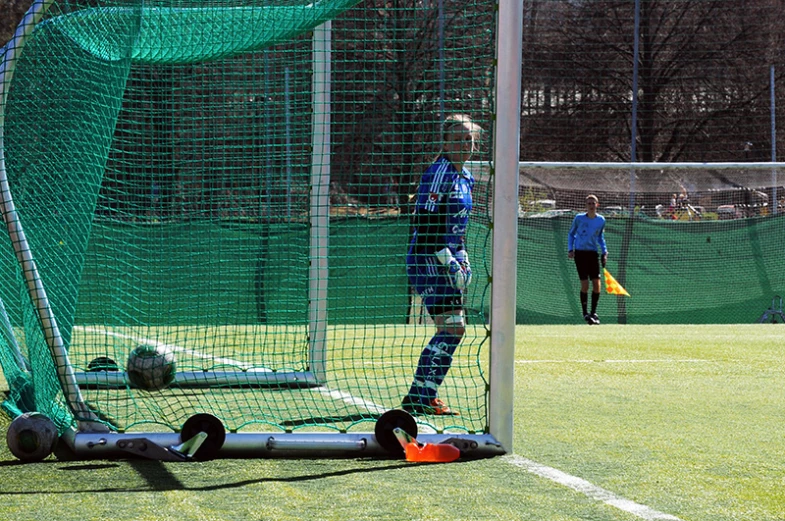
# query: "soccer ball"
31,436
150,367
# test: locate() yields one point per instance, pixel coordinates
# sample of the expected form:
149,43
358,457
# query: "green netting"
161,158
162,34
264,274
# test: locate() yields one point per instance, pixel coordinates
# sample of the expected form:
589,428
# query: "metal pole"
288,115
634,117
773,143
268,147
320,201
506,149
87,420
442,80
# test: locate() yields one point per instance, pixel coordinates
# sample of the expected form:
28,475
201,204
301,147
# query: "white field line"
352,400
573,361
580,485
170,347
589,489
370,406
579,361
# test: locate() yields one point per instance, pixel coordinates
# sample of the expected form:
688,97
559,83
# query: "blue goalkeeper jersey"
441,212
587,234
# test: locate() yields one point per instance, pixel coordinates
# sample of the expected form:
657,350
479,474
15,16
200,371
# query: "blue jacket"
587,234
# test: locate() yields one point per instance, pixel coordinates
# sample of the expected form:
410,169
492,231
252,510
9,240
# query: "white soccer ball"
150,367
31,436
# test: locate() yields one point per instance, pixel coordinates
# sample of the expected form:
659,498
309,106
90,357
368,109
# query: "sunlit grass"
684,419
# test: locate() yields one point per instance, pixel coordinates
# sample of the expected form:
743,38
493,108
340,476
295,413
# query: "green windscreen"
704,271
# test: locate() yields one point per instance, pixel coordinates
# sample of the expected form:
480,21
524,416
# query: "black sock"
595,297
584,301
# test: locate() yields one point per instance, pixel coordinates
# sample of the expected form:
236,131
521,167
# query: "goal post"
320,200
505,258
172,187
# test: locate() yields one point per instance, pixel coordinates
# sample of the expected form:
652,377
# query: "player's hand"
455,273
604,259
570,254
463,259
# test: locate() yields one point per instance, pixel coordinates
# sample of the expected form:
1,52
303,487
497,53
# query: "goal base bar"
276,445
247,378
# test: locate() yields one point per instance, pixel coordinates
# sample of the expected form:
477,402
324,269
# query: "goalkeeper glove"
455,273
463,259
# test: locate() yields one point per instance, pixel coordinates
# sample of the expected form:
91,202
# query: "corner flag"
611,286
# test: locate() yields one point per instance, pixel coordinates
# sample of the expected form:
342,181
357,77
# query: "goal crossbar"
758,165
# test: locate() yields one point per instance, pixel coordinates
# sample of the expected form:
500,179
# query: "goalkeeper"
437,263
585,238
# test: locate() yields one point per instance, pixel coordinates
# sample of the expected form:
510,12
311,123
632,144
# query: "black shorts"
588,264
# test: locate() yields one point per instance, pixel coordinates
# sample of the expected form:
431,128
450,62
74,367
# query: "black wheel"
384,430
102,363
210,425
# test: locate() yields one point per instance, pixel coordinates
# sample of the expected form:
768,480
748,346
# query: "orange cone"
432,452
426,452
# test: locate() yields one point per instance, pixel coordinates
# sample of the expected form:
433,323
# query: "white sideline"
589,489
169,347
369,406
579,361
578,484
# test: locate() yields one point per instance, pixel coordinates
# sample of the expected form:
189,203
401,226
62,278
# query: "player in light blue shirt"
586,244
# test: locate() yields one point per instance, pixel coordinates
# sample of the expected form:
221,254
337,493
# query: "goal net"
230,182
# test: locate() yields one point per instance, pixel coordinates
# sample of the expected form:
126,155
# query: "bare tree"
702,78
13,11
398,65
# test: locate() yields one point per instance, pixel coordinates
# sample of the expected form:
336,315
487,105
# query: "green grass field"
616,423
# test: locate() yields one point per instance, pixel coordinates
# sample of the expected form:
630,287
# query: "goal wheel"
102,363
384,430
210,425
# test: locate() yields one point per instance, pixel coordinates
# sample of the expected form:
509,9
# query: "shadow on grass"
159,478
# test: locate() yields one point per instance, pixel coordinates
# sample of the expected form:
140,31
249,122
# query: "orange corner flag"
611,286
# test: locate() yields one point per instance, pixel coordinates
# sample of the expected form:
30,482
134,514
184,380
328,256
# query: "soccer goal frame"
91,438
